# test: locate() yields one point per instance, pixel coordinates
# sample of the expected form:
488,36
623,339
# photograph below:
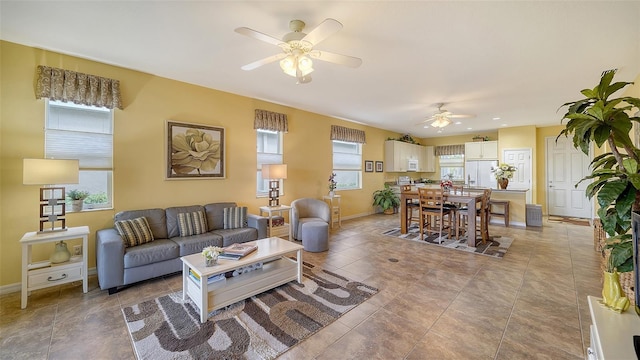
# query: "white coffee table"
209,297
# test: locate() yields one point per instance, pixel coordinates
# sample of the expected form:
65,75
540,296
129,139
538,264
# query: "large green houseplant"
386,199
616,174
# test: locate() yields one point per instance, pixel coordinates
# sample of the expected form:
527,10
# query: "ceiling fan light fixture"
294,63
305,65
441,122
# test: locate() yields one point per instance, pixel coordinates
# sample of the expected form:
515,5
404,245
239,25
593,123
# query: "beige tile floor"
433,303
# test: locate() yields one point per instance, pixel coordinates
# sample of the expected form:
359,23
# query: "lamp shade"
49,171
274,171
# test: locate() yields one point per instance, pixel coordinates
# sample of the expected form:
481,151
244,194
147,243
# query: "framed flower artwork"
379,166
195,151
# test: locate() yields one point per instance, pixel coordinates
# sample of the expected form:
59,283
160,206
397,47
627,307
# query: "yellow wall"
139,149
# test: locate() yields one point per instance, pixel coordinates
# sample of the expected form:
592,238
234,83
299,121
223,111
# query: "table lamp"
52,199
274,172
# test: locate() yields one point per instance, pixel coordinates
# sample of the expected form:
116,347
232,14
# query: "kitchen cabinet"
429,159
481,150
397,155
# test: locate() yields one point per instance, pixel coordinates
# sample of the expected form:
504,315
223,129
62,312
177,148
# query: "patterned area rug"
570,220
496,247
261,327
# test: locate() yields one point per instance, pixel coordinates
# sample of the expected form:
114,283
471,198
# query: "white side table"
44,274
611,332
277,231
334,206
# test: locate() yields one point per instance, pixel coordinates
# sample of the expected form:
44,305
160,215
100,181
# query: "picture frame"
181,163
368,166
379,167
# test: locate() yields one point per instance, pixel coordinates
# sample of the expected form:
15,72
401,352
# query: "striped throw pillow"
235,217
192,223
135,231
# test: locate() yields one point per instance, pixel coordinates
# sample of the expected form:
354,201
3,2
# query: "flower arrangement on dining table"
446,184
504,171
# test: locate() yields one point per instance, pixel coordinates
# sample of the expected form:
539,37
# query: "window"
84,133
269,149
452,167
347,164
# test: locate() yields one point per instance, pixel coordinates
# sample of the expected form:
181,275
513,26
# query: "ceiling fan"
443,117
297,49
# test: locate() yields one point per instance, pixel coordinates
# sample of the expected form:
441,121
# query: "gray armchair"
307,210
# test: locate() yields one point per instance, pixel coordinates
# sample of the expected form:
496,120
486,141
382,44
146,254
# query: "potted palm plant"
386,199
600,120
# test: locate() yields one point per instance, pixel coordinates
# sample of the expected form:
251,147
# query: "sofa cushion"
193,223
134,231
155,218
235,217
172,218
240,235
215,214
195,243
149,253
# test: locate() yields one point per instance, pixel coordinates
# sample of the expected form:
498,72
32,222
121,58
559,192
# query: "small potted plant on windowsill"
386,199
77,198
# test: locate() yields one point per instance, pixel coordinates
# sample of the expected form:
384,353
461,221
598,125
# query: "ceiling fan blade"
259,36
326,28
267,60
460,116
349,61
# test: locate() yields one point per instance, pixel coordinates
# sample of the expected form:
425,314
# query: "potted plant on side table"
386,199
616,174
77,199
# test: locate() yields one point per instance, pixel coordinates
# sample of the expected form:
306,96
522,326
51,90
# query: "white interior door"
565,167
521,159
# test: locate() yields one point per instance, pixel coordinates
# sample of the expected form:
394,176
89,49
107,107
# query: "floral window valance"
79,88
450,150
267,120
342,133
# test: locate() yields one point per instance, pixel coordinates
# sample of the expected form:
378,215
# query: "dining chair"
482,216
455,208
433,213
413,211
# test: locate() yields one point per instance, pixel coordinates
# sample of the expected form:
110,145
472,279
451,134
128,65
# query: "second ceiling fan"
443,117
298,49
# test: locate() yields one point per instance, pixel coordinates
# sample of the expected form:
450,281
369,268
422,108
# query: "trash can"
534,215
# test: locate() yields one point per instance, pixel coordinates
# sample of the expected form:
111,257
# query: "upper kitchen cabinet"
402,157
481,150
429,159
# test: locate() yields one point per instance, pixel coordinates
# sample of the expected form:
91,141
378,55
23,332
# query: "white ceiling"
516,60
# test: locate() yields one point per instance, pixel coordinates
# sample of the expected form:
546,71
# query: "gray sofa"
118,265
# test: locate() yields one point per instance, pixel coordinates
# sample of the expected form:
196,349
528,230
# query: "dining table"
470,199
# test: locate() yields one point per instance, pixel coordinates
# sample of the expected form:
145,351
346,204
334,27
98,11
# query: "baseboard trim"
517,224
17,287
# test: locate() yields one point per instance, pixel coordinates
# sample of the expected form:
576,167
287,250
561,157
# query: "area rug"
496,247
570,220
261,327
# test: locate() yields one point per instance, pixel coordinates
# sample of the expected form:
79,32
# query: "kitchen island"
517,205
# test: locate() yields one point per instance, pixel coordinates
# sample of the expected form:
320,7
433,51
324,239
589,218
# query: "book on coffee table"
239,249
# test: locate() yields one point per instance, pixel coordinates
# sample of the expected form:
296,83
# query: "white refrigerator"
478,173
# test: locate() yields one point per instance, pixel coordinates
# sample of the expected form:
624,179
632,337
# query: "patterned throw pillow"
235,217
135,231
192,223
